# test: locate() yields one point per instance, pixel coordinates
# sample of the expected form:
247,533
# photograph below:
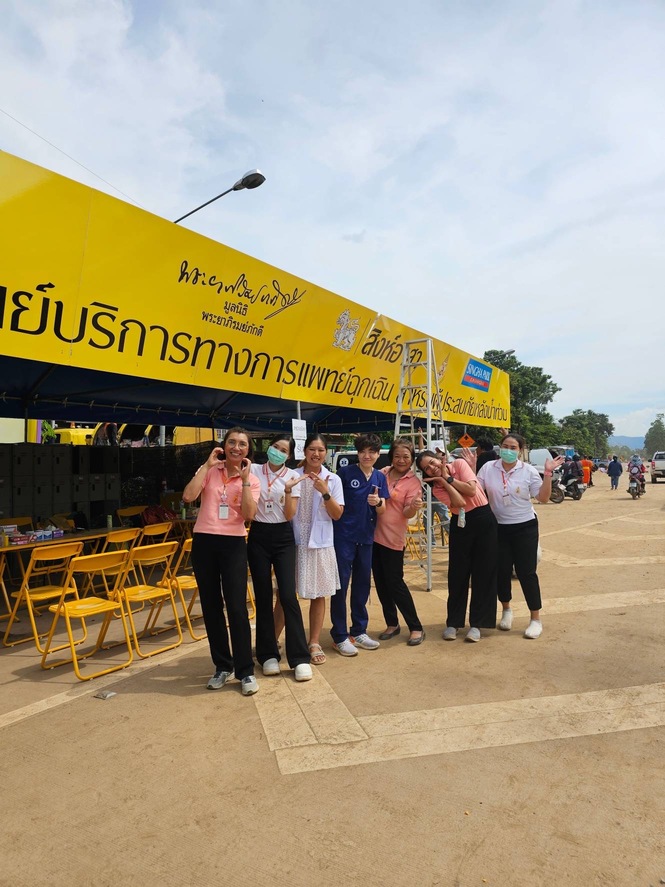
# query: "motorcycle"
571,487
636,486
557,495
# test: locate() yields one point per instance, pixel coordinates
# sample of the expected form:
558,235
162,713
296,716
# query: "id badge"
506,499
268,504
223,512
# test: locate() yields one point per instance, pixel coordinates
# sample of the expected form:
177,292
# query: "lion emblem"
346,332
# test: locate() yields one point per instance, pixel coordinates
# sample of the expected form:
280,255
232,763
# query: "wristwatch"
326,496
450,479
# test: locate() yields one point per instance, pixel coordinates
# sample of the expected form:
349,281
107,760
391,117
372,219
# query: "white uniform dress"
316,567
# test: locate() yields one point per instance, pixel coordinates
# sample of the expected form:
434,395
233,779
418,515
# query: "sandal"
317,654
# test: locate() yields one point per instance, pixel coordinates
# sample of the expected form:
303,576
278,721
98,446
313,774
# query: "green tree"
48,434
531,390
587,432
654,439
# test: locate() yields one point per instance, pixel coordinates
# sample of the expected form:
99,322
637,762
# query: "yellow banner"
88,280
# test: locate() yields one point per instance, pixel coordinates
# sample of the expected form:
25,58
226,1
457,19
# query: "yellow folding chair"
123,539
110,569
414,536
150,557
124,514
153,533
23,524
44,561
185,580
3,587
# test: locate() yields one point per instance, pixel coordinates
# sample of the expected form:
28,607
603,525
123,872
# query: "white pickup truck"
657,467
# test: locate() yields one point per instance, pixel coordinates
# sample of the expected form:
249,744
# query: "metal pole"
207,203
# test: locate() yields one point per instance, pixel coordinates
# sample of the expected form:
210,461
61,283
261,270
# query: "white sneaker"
346,648
366,642
303,672
270,667
506,620
534,629
249,685
218,680
473,635
450,633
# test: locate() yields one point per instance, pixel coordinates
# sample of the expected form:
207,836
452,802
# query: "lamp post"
249,181
504,353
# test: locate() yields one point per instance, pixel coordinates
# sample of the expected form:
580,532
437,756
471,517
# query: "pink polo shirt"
391,525
219,488
460,470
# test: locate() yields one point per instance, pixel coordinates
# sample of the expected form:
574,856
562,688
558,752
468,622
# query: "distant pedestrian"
587,468
484,452
615,470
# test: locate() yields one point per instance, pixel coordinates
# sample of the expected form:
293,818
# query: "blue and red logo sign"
477,375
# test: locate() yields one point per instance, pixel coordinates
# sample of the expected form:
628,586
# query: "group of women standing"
290,513
493,530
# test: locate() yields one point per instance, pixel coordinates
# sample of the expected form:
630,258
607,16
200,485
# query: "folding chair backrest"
23,523
126,537
51,558
183,558
151,555
107,565
152,531
130,511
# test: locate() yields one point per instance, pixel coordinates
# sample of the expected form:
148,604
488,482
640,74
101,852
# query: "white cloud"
492,173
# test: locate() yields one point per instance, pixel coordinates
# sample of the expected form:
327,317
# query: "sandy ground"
507,763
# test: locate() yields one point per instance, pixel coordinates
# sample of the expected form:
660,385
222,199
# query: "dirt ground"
505,763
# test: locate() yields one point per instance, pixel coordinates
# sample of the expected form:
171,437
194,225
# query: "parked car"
657,467
538,457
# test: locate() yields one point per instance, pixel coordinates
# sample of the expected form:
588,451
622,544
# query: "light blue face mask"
276,457
508,456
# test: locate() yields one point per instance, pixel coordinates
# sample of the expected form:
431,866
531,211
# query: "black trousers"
220,567
473,556
273,546
393,592
518,546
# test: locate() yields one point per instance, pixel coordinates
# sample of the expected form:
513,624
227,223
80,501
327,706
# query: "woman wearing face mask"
229,493
472,553
510,484
271,545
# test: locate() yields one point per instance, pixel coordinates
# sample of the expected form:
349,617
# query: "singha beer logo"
346,332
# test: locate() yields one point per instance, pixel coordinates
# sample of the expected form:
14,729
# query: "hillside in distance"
633,443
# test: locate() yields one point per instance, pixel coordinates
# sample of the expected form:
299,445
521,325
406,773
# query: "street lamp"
249,181
504,353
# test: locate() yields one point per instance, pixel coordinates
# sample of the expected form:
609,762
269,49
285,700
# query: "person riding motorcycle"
572,468
636,470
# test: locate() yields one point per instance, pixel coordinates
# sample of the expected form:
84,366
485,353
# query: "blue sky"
492,173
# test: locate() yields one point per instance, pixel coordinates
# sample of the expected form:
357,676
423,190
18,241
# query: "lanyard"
225,480
275,477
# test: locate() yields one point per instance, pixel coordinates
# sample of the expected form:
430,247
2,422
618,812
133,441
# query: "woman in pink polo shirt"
390,539
229,495
473,544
